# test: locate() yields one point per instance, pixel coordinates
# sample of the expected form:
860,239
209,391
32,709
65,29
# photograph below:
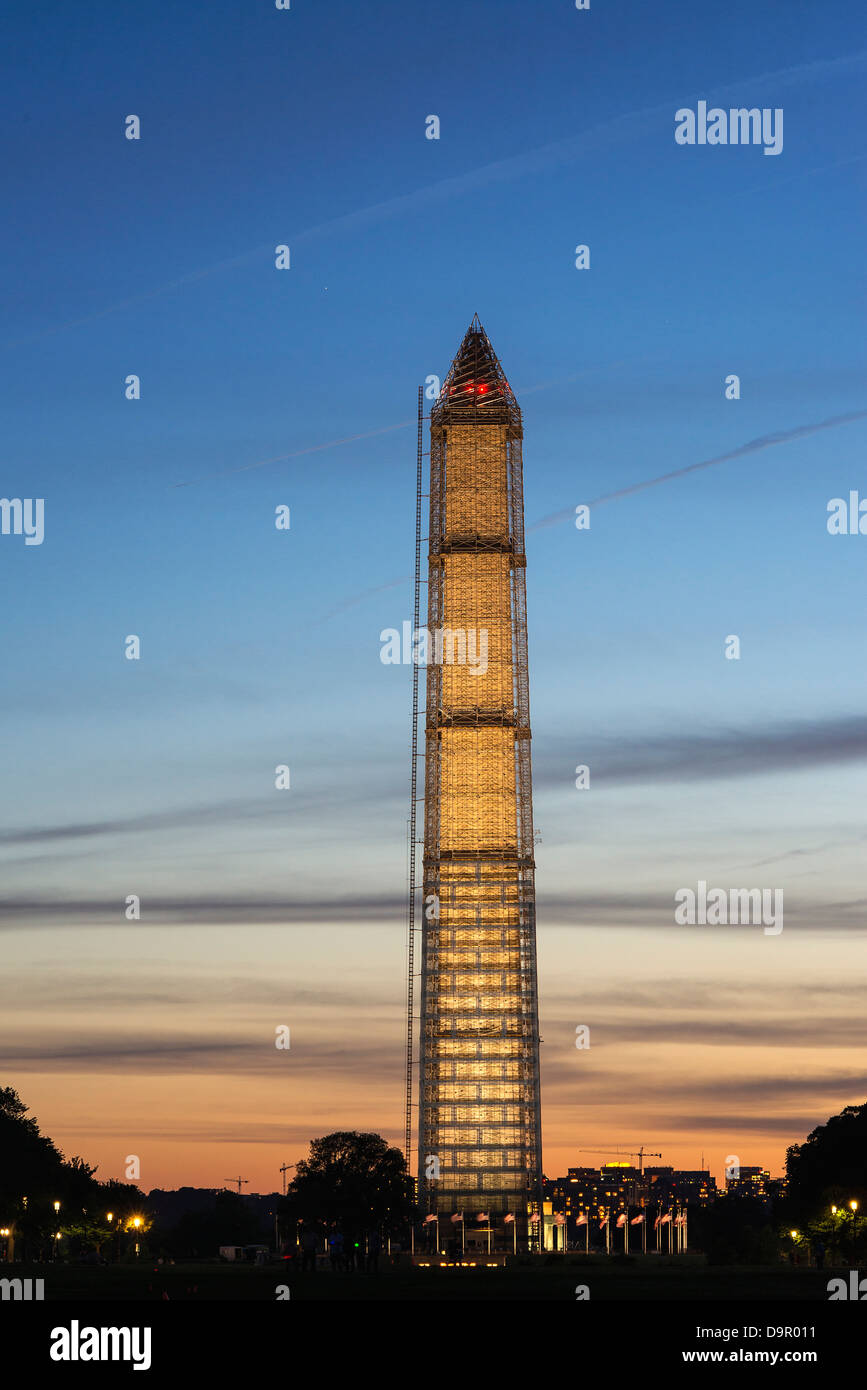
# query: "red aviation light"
480,388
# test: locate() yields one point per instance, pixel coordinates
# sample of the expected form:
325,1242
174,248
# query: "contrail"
404,424
366,594
754,446
296,453
590,141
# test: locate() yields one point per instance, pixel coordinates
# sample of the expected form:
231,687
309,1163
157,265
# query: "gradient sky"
261,647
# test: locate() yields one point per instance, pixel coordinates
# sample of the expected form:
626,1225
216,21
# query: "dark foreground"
685,1278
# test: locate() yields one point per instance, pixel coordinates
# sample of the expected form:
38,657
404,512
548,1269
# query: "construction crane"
284,1170
640,1154
238,1181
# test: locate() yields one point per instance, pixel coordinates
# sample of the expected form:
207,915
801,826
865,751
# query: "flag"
509,1217
582,1221
621,1220
603,1223
667,1217
656,1222
483,1216
636,1220
535,1218
429,1218
559,1219
458,1216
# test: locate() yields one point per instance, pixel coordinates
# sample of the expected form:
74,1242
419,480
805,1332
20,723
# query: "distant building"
682,1186
750,1182
617,1186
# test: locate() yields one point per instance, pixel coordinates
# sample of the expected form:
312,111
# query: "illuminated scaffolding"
479,1112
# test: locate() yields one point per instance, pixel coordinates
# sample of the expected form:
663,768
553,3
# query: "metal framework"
413,803
479,1033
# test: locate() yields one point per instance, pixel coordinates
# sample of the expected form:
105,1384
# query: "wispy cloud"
697,757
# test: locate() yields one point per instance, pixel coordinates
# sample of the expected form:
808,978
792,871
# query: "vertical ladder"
410,944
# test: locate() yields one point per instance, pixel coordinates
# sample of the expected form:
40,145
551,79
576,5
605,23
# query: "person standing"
309,1243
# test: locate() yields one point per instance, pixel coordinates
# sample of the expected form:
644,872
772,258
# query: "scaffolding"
479,1106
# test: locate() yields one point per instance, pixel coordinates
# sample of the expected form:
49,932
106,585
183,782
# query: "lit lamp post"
834,1227
56,1233
853,1207
136,1221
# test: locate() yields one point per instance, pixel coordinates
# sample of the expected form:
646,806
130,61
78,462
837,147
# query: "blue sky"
260,647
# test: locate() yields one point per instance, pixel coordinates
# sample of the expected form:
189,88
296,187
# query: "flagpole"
463,1235
587,1236
644,1234
626,1233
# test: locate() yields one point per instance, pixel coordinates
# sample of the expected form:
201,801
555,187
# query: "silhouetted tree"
830,1169
352,1180
735,1230
34,1175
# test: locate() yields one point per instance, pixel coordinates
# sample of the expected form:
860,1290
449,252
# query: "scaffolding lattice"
479,1044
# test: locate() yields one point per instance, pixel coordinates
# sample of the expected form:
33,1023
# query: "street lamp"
853,1206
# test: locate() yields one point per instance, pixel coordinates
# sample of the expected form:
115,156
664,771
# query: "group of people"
346,1252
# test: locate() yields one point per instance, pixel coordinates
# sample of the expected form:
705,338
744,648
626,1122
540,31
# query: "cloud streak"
753,446
698,757
628,126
